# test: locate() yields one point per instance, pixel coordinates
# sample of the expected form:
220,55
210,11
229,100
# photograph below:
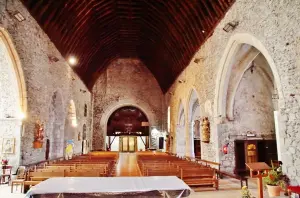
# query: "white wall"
140,144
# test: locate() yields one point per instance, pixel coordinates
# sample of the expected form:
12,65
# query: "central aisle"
127,165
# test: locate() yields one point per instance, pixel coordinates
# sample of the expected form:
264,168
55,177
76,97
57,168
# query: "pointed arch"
55,125
13,97
242,52
180,131
193,107
13,59
222,80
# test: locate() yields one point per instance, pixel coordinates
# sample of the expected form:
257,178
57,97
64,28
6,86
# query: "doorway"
47,149
128,144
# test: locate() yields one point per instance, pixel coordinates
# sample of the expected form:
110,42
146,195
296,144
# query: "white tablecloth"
108,185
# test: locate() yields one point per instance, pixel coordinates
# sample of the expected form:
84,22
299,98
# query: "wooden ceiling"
164,34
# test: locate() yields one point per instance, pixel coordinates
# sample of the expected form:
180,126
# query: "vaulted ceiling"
164,34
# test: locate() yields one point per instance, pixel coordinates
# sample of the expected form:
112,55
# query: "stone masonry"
125,82
43,78
275,25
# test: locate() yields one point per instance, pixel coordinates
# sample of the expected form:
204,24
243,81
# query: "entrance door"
128,144
47,149
197,148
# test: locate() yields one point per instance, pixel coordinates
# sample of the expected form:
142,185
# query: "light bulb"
21,115
72,60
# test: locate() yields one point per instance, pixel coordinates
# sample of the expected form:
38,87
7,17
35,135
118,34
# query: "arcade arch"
194,149
247,98
13,103
180,132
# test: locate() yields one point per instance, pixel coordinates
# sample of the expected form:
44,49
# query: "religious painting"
8,145
196,129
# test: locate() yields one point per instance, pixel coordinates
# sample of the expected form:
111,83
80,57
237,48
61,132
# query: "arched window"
85,110
169,119
84,132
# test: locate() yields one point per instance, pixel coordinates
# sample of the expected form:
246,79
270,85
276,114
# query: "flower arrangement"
245,192
276,181
273,178
4,162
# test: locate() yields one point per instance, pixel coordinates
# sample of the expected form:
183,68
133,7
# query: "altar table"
73,187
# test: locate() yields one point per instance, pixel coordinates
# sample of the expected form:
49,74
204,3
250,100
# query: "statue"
69,149
196,129
38,135
205,130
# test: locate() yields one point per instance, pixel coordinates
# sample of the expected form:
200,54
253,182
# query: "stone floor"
127,166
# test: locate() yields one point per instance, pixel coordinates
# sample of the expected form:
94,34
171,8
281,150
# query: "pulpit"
259,170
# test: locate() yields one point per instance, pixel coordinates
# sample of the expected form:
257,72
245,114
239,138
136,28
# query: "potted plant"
4,163
276,181
272,182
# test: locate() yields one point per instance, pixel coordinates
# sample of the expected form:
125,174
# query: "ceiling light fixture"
53,58
16,14
230,26
72,60
19,16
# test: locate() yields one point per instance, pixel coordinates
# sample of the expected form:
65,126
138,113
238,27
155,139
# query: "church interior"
149,98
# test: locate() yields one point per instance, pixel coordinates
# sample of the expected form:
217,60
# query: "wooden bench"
238,177
200,178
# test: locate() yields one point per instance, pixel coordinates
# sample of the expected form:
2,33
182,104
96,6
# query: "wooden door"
47,149
128,144
197,148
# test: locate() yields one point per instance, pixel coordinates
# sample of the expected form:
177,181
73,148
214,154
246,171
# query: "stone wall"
125,82
43,78
253,111
272,27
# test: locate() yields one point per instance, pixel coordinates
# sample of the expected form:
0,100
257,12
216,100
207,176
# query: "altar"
73,187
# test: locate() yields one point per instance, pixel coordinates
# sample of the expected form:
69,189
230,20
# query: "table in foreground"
73,187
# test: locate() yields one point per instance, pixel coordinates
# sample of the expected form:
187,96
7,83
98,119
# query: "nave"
126,165
202,93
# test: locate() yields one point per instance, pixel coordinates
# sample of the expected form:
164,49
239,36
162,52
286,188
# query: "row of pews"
192,172
96,164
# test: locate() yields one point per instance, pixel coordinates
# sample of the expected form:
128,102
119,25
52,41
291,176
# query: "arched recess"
180,132
128,130
222,81
71,122
55,126
248,95
85,110
13,103
84,132
194,125
169,119
99,139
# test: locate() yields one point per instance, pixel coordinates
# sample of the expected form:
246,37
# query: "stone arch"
13,99
16,70
193,122
242,54
222,80
169,119
180,131
71,122
84,132
145,108
55,129
85,110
